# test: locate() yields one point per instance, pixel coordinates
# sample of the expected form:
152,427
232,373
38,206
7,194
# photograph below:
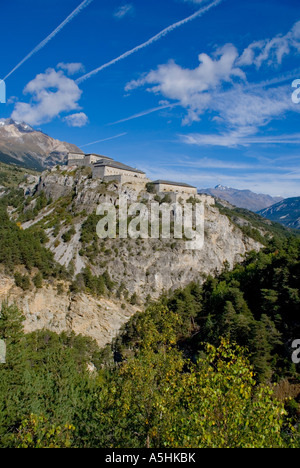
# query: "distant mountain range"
287,212
23,145
242,198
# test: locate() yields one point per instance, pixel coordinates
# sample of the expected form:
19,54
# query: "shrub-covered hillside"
55,391
196,369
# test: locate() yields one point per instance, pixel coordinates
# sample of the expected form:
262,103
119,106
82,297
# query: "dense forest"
197,369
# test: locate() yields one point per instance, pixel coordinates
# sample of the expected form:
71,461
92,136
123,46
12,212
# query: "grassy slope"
12,175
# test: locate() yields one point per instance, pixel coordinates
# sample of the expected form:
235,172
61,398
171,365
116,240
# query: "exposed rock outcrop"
45,308
143,266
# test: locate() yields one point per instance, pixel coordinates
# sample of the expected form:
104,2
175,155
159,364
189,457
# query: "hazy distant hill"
22,144
287,212
242,198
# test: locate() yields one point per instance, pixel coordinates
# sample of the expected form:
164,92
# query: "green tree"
11,324
38,280
67,236
218,405
22,281
159,399
37,432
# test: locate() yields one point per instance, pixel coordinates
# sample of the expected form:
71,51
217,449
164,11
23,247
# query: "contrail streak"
289,76
144,113
42,44
153,39
106,139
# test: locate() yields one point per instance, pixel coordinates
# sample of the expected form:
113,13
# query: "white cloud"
251,109
243,113
248,56
12,100
219,88
226,139
271,51
52,93
209,163
238,138
71,68
124,10
77,120
191,87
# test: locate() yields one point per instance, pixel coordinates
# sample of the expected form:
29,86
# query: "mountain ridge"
286,212
21,144
242,198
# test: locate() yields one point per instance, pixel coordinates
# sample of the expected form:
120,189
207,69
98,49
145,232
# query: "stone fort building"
107,169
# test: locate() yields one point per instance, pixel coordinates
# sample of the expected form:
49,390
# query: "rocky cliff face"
47,309
144,266
141,267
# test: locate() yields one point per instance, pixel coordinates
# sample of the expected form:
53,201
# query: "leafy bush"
38,280
22,281
150,187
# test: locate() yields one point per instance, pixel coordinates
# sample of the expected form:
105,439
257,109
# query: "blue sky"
208,101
